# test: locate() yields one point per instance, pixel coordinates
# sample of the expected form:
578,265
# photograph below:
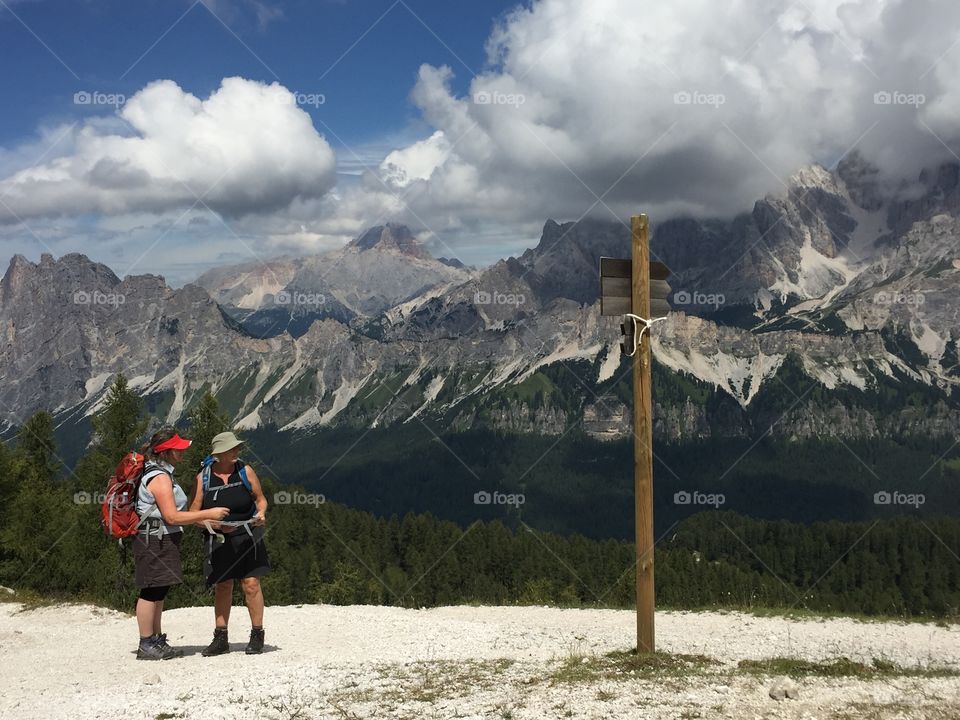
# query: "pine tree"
206,420
39,511
117,429
119,424
8,491
36,449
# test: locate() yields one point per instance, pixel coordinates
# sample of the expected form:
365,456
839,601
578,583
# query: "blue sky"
362,56
244,129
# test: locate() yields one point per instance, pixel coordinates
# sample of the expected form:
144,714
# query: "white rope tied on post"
637,337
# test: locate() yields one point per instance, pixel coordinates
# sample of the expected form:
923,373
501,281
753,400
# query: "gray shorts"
157,560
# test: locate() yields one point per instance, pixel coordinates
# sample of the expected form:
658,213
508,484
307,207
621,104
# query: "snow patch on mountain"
399,312
928,340
291,373
833,376
342,396
251,421
176,381
430,394
741,377
610,363
515,368
263,373
816,275
308,419
565,351
95,384
258,294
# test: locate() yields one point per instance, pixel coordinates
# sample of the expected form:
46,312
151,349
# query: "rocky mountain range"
382,268
830,309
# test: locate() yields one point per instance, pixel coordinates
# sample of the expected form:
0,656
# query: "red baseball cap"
174,443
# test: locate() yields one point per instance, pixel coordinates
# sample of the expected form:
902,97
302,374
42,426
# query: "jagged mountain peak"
815,176
584,233
77,262
391,236
384,266
566,260
29,281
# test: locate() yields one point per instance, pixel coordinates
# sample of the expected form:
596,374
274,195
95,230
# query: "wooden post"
643,438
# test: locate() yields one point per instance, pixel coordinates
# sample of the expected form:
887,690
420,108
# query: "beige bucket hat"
223,442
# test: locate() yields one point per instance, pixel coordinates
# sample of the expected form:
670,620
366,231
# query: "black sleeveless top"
232,494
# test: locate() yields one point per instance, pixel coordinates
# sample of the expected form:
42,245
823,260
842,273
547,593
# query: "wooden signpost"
639,287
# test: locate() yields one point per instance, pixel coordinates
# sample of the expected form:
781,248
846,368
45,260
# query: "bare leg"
254,597
223,599
147,616
158,617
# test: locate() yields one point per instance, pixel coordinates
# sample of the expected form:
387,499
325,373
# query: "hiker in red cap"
161,506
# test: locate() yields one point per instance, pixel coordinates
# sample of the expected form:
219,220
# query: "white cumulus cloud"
415,162
601,108
246,149
675,107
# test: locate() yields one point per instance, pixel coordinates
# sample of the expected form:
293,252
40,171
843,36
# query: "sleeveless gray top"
150,517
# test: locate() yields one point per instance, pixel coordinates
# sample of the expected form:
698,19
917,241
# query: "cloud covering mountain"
581,109
685,107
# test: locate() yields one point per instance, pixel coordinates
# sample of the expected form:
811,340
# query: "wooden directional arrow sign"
616,296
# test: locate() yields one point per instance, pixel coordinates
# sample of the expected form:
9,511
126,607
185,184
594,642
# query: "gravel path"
458,662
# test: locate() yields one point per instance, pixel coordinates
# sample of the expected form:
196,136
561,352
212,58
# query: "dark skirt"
238,556
157,560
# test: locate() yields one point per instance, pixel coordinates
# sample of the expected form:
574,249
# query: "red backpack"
118,512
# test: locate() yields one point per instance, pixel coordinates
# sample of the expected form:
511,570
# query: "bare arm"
161,487
258,497
197,500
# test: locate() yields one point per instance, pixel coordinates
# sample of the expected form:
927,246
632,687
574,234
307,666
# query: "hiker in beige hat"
233,548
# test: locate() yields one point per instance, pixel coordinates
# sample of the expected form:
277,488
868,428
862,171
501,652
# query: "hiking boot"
153,650
162,641
219,646
255,646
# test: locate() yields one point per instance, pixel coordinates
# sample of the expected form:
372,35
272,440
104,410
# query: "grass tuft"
840,667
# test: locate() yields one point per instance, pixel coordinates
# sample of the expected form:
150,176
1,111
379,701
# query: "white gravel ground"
77,661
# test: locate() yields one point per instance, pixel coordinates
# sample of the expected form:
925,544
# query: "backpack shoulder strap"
242,471
150,471
205,471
